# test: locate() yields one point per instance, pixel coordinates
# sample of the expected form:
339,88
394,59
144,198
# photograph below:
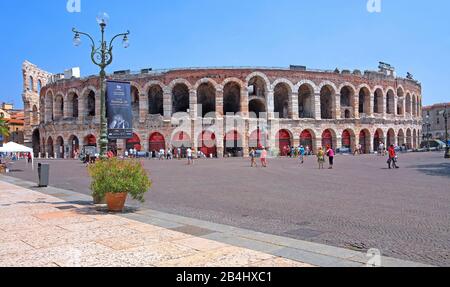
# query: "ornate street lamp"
102,56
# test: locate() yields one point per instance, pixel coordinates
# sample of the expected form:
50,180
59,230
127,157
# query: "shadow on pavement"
441,169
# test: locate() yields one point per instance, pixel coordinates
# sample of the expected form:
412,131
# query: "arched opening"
378,102
135,101
207,144
390,138
401,139
34,117
327,104
157,142
328,139
257,87
59,107
364,101
409,139
72,105
258,139
231,98
39,87
50,148
347,140
306,139
400,110
415,141
60,152
74,146
49,116
233,144
364,141
180,98
284,142
181,140
90,104
36,142
90,141
408,104
31,83
206,98
134,143
305,102
390,103
378,139
257,108
347,101
156,100
282,94
414,106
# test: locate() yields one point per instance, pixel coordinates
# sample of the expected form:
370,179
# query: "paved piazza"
359,205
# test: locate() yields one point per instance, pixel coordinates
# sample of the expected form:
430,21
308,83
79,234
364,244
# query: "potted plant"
115,179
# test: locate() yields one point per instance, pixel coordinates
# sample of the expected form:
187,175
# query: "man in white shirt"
189,156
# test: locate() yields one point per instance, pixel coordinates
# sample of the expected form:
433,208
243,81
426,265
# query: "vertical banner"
118,106
1,141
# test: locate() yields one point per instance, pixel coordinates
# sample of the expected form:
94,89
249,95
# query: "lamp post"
427,138
102,56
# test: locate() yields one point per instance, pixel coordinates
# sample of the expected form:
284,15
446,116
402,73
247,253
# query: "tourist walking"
190,156
264,157
301,153
321,158
392,161
253,158
330,154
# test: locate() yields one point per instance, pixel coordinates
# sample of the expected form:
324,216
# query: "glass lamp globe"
126,42
103,18
77,40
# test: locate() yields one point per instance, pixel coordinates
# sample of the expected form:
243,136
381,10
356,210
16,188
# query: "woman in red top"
392,157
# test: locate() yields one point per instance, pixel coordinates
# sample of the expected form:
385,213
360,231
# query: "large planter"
116,201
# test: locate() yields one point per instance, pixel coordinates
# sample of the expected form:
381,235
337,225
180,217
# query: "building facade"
15,120
434,122
226,111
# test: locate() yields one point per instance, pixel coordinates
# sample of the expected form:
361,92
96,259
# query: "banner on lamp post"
118,106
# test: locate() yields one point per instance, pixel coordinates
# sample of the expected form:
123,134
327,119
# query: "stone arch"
180,97
58,108
207,143
50,147
258,139
155,94
329,138
210,81
36,142
233,144
306,100
378,138
409,139
88,101
415,139
206,97
408,104
232,97
284,141
307,139
262,76
347,95
134,142
365,140
327,102
74,146
282,98
348,139
391,138
364,99
35,116
282,81
401,138
60,147
157,142
49,116
414,105
72,104
378,101
390,102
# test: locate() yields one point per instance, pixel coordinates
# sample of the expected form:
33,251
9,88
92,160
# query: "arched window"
39,86
31,84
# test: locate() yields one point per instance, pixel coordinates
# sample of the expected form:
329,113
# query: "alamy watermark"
73,6
374,6
374,256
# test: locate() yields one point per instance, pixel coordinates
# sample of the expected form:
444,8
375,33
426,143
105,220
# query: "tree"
4,130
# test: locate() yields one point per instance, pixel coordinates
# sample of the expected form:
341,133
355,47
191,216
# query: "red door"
258,140
362,141
306,139
156,142
134,143
284,140
207,144
327,139
346,141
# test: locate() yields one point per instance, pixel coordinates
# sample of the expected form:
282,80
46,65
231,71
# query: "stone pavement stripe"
96,239
308,252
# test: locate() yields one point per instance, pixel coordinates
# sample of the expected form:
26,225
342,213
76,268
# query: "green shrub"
117,176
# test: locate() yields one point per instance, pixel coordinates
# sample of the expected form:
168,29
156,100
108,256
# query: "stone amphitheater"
226,111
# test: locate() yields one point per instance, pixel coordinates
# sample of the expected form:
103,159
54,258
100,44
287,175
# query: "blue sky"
412,35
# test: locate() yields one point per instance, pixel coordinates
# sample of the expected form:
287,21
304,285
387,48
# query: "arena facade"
225,111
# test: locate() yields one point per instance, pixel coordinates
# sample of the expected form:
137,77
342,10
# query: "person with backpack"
301,153
253,158
321,157
392,157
